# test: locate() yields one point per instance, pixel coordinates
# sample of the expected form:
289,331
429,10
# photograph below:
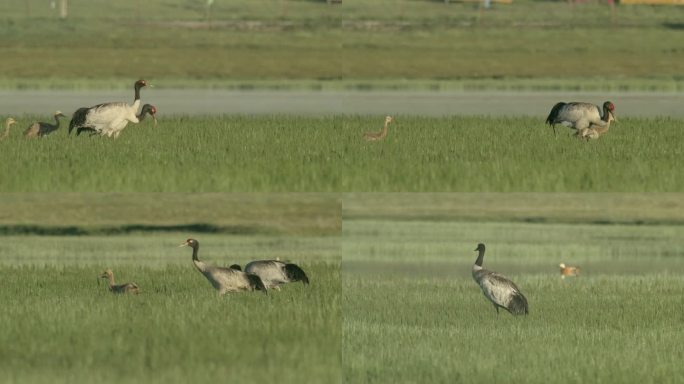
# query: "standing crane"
121,288
498,289
377,136
147,109
8,124
580,116
39,129
224,279
108,118
275,273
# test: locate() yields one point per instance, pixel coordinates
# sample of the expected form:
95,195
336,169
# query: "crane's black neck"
480,257
142,114
195,252
606,113
137,91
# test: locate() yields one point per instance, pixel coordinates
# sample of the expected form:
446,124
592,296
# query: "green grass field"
378,44
412,312
302,154
60,324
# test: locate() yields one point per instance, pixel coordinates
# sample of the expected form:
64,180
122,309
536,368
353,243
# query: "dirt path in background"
201,102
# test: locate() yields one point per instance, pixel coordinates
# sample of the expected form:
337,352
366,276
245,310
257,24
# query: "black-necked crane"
8,124
580,116
39,129
498,289
377,136
148,109
120,288
107,118
566,270
224,279
275,273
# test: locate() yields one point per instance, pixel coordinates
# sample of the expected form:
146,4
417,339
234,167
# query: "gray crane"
120,288
581,116
224,279
39,129
275,273
501,291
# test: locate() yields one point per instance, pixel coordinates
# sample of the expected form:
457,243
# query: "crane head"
106,274
189,243
59,114
480,247
141,83
610,108
388,119
152,110
10,121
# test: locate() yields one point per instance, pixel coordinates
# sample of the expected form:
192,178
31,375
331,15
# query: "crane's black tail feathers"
294,273
554,113
236,267
518,305
78,119
256,283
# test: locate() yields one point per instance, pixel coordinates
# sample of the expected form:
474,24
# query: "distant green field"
302,154
412,312
379,44
58,325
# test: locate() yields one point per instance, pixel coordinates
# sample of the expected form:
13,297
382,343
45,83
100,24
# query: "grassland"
60,325
379,44
301,154
413,314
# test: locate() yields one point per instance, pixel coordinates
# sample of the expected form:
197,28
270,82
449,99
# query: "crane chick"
121,288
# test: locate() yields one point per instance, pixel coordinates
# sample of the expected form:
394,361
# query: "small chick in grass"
566,270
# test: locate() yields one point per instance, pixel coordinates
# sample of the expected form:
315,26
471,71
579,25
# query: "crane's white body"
580,116
111,118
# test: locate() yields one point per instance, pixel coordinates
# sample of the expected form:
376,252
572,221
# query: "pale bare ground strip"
625,208
319,103
286,213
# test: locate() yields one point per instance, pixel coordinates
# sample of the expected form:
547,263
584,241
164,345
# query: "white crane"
108,118
581,116
501,291
224,279
275,273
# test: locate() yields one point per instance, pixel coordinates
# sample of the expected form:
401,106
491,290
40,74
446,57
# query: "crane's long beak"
183,245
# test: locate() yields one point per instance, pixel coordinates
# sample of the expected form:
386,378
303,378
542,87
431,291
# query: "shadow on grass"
128,229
